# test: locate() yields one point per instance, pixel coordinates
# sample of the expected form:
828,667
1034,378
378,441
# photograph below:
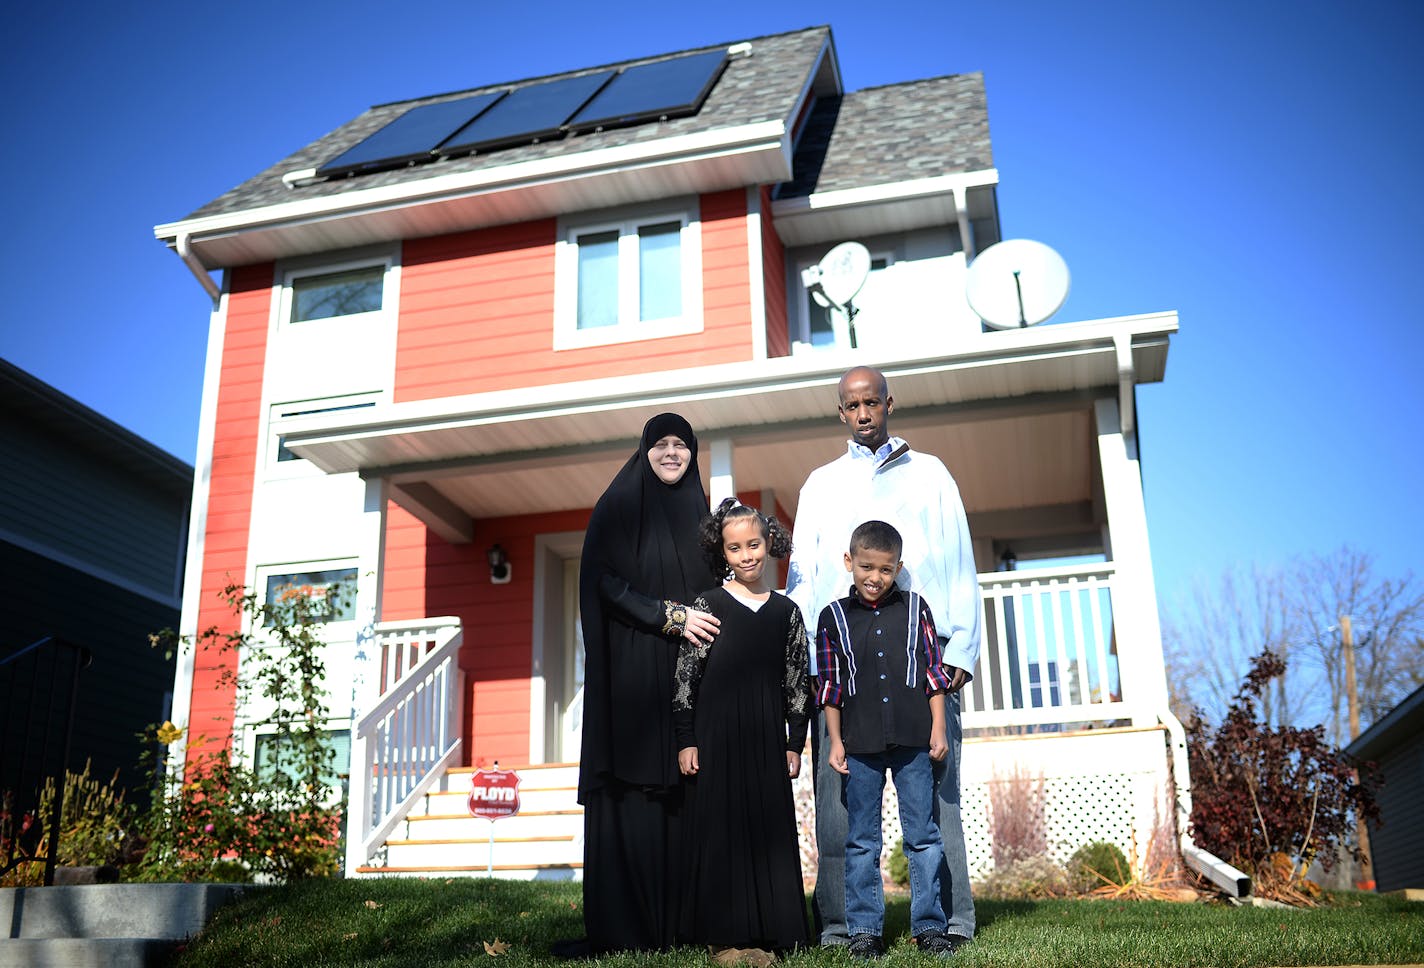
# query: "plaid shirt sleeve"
936,676
828,662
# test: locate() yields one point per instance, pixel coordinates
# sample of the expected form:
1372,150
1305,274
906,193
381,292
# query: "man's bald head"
857,374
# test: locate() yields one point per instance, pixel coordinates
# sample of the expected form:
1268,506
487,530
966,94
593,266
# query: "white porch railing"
1049,651
403,746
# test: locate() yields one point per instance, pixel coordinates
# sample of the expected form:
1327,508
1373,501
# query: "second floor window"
330,294
636,278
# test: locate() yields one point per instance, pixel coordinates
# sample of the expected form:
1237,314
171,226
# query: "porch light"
1008,561
498,559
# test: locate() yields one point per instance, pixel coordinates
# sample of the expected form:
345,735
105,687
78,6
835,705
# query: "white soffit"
879,209
782,395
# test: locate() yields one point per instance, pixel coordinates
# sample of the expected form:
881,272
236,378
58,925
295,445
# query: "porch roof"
1011,416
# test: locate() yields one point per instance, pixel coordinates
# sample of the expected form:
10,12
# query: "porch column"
721,485
1139,633
370,580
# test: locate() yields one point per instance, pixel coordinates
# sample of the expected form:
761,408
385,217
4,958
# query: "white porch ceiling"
1012,420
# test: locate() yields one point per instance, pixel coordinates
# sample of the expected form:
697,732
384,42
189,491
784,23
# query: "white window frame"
342,633
251,731
629,328
305,269
283,469
840,326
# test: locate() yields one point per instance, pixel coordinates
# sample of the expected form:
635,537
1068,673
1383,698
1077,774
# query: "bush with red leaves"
1259,790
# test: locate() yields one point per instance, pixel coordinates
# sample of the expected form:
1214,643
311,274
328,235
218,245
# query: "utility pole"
1352,697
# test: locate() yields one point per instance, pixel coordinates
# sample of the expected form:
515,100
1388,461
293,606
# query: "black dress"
640,562
743,702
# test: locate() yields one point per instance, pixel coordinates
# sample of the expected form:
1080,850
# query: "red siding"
427,576
477,310
235,443
773,260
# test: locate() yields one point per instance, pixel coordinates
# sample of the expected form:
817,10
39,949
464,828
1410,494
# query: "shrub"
1016,817
898,865
224,820
93,826
1098,863
1033,878
1262,792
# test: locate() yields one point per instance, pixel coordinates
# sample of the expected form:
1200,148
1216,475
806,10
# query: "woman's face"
670,458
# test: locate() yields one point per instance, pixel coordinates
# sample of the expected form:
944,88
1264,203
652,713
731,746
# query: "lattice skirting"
1104,784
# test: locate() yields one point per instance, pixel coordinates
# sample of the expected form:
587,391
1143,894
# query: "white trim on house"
550,552
1009,362
756,271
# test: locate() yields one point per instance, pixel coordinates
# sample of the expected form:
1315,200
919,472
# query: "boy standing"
882,687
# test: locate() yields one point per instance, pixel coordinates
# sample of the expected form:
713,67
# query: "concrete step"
552,872
457,826
103,925
83,952
476,853
171,911
530,801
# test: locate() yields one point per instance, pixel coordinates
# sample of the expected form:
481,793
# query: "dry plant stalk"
1017,828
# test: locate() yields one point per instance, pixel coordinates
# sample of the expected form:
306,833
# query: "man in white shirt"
880,477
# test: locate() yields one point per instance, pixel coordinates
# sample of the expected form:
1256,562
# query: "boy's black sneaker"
940,944
866,947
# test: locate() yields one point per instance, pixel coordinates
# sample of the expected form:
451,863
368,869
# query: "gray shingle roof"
762,87
899,132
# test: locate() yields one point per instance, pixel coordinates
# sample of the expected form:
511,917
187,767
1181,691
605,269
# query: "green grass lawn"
394,923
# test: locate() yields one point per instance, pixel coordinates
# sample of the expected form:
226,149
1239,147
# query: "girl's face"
670,458
744,547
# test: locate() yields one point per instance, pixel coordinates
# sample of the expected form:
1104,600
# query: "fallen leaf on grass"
349,937
372,905
496,948
524,914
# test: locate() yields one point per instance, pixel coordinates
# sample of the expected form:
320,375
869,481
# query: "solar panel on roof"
669,88
410,137
527,114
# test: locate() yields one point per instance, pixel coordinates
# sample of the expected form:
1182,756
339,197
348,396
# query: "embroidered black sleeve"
691,660
675,616
796,687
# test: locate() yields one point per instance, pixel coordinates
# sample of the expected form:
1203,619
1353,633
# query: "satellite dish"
1017,282
837,278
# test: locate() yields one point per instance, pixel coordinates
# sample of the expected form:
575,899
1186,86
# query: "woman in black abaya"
641,567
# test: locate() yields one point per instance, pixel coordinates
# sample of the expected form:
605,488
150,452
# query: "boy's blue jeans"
914,776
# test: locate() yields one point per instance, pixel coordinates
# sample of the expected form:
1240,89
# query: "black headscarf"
643,532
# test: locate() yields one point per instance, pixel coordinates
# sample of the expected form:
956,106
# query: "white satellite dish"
837,278
1017,282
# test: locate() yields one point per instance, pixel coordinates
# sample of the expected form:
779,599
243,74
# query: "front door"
568,709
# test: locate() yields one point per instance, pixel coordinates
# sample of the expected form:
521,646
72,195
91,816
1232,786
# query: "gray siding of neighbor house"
91,505
1397,845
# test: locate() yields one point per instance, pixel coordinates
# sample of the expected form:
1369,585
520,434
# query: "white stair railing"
1049,652
404,744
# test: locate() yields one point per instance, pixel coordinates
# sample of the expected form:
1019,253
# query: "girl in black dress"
742,706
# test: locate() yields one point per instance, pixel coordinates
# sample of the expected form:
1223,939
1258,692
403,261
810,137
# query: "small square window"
639,278
333,294
319,586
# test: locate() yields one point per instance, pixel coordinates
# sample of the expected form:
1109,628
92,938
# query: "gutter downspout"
966,227
185,252
1234,882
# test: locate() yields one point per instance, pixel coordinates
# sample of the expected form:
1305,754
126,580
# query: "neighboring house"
93,521
1395,744
441,326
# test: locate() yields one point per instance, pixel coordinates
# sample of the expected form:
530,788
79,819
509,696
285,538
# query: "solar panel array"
663,89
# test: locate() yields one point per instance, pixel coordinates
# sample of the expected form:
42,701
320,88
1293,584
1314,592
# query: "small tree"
273,818
1262,795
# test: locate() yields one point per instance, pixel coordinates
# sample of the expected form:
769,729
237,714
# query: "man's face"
872,571
865,407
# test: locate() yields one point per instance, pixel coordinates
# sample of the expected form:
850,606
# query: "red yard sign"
494,793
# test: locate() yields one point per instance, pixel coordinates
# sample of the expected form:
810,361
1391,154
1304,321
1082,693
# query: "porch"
1064,692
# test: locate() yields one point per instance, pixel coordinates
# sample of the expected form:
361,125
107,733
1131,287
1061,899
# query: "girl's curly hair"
709,535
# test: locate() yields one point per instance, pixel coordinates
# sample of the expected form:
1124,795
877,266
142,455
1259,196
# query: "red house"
442,325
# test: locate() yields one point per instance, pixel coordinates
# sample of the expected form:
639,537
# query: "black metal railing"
40,688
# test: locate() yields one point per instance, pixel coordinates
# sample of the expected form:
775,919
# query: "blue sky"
1254,166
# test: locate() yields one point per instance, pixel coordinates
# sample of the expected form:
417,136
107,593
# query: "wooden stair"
544,841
